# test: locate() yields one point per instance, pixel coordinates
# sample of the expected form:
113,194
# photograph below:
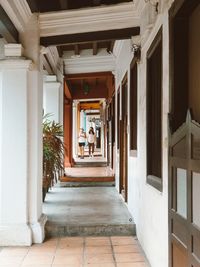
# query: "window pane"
196,198
182,192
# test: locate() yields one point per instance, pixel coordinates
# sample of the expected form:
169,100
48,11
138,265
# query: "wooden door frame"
124,141
181,8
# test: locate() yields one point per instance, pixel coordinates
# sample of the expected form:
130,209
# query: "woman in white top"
91,141
81,142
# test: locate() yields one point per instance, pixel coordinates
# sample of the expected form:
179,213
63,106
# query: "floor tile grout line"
56,247
113,253
24,256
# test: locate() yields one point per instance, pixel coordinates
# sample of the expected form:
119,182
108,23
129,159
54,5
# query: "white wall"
148,206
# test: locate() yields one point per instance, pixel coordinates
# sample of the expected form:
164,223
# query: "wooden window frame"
118,116
133,107
152,94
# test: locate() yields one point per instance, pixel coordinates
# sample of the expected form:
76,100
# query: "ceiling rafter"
96,2
81,76
76,49
95,48
63,4
117,34
111,46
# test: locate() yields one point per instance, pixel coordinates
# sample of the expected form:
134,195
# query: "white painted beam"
88,20
18,12
89,64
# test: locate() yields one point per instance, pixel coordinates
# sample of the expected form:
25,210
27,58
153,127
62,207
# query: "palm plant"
53,153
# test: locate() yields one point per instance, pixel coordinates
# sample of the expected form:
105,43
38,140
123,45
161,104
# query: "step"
90,164
85,184
83,211
59,230
69,178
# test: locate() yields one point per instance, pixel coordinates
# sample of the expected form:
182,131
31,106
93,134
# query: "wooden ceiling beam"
111,46
63,4
87,106
7,28
33,4
96,2
60,51
67,90
87,75
95,48
119,34
76,49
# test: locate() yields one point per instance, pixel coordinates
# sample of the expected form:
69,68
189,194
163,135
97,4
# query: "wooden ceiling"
57,5
94,46
90,85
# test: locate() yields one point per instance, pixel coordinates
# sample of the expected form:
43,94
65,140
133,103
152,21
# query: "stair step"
69,178
85,184
90,164
59,230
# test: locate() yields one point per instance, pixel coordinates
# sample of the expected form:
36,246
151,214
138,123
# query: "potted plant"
53,153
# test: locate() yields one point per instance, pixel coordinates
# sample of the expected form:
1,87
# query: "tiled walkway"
89,171
77,252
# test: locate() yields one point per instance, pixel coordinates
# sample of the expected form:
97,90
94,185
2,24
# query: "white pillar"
51,97
21,219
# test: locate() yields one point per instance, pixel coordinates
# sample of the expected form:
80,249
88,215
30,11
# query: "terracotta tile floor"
89,171
76,252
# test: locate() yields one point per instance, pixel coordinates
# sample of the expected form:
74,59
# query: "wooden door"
123,144
184,195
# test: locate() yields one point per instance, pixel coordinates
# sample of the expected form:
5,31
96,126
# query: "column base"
38,232
15,235
23,234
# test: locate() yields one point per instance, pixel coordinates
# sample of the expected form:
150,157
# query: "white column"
36,220
51,97
21,219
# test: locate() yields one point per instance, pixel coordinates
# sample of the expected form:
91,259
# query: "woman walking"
91,141
81,142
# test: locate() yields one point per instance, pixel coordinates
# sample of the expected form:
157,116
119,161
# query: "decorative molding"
139,5
90,20
18,11
89,64
18,63
13,50
50,78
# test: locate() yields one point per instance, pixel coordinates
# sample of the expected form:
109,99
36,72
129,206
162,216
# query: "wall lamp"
153,3
136,49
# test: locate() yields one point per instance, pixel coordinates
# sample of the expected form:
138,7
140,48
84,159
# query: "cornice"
88,20
16,63
18,11
89,64
139,6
